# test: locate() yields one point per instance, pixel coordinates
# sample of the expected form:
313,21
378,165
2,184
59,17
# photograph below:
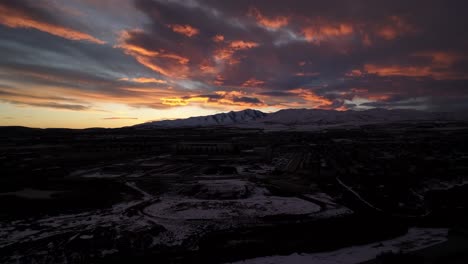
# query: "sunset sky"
111,63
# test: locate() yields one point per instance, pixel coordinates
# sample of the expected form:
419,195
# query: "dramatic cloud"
317,34
186,30
16,15
272,23
82,55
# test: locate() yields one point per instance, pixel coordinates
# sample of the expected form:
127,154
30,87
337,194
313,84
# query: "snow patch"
415,239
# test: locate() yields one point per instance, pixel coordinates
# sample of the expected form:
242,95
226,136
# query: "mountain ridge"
250,118
229,118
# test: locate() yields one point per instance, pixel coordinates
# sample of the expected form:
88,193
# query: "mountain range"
304,118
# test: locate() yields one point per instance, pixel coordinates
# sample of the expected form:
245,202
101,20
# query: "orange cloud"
125,36
252,82
132,96
206,67
354,73
15,19
219,99
226,53
146,61
387,32
378,97
366,40
129,48
174,101
219,80
362,93
241,44
316,34
272,23
441,58
179,101
186,30
342,29
139,50
143,80
439,69
148,80
180,59
218,38
311,97
395,70
223,54
70,98
154,59
413,71
395,27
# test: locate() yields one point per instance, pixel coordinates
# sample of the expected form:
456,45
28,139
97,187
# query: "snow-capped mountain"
303,118
224,119
328,117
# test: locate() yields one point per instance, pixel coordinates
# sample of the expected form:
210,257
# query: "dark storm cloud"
227,98
211,97
249,100
277,94
300,53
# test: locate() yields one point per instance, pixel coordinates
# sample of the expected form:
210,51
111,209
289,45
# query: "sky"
113,63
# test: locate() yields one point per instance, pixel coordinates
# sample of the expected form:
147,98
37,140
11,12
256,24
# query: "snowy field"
415,239
175,208
204,206
238,199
